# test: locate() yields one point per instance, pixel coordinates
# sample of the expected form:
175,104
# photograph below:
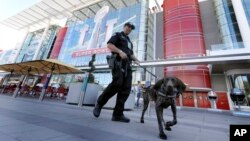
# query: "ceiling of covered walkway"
45,11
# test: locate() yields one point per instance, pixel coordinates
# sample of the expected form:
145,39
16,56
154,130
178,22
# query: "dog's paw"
168,128
142,120
163,136
171,123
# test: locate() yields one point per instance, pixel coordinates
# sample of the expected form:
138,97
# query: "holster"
112,61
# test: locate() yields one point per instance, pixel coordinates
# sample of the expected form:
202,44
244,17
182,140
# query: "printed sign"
88,37
239,132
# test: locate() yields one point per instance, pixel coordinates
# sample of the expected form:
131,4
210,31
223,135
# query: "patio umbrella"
51,66
40,67
47,66
13,82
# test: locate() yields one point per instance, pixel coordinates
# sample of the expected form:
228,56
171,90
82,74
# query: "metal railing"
216,59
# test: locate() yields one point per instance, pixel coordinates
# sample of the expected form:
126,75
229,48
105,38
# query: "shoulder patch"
116,34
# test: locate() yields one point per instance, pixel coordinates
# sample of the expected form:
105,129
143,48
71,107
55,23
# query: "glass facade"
48,42
31,43
230,33
246,4
7,56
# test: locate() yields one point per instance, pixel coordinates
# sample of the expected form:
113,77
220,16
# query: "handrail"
218,59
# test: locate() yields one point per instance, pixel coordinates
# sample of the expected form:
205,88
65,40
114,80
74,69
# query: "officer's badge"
129,45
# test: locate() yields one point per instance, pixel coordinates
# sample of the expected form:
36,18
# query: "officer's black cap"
129,24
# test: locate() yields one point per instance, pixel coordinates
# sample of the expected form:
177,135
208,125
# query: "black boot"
97,110
120,119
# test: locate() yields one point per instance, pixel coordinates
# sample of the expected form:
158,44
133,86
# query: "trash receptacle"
212,97
237,96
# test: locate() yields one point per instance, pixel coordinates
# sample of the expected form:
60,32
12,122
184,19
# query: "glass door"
242,82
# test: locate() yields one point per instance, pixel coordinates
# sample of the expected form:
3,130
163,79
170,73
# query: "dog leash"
148,71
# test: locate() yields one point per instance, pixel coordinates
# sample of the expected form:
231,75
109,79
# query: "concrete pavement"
29,120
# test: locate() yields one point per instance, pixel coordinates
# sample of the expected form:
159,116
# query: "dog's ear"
180,85
158,84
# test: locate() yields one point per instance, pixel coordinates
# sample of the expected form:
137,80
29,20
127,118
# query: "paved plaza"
23,119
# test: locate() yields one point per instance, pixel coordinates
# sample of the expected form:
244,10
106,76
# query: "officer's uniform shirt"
122,41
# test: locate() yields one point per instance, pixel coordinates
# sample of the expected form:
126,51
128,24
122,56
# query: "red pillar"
58,43
183,37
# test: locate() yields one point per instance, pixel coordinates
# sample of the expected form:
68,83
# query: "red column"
183,37
58,43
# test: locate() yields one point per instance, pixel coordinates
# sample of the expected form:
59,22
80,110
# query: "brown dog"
164,93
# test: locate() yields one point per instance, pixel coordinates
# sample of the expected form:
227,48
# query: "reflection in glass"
227,22
246,5
243,82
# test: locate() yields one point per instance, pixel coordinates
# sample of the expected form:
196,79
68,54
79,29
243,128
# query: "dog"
164,93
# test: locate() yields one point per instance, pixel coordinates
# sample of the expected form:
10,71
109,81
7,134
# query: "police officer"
121,84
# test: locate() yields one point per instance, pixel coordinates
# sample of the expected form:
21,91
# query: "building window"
227,22
243,82
246,5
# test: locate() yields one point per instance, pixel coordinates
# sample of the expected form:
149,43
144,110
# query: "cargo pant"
120,85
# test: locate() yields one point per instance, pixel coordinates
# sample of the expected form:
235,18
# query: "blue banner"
88,37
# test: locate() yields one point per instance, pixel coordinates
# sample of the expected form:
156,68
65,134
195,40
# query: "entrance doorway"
242,81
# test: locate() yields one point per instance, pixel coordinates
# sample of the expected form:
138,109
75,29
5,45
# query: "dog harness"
168,96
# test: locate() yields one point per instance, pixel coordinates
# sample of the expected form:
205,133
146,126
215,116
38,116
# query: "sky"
10,37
